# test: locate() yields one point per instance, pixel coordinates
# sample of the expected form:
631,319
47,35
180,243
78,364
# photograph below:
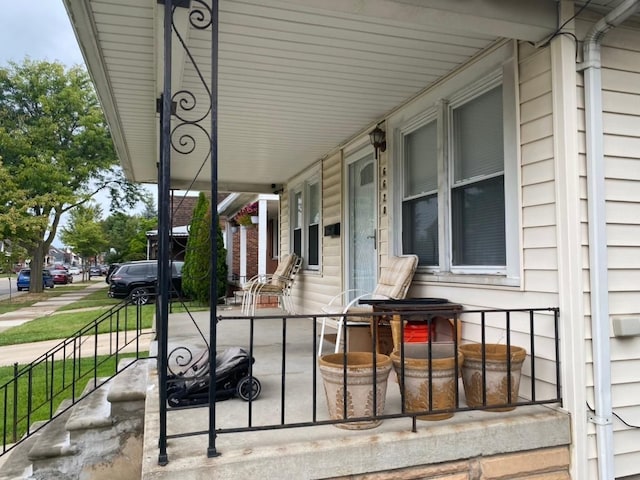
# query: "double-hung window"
477,182
454,203
305,222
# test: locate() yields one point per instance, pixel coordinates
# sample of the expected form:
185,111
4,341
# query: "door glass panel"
362,224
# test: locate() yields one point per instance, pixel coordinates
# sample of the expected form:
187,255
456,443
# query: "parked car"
138,280
95,271
61,277
24,279
74,270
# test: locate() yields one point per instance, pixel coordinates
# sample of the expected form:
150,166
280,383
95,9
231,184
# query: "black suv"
138,280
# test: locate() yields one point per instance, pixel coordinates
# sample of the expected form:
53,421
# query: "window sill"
474,279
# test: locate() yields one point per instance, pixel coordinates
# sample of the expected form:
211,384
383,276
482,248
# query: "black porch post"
213,287
164,227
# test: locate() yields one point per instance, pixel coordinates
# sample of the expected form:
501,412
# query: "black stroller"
191,386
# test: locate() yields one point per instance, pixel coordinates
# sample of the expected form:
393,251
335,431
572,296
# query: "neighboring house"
56,255
181,212
511,164
251,249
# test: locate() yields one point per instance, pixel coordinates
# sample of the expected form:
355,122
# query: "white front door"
361,224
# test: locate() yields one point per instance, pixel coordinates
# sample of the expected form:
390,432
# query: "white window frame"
441,112
303,187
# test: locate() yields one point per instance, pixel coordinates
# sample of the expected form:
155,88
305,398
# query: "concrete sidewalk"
27,352
47,307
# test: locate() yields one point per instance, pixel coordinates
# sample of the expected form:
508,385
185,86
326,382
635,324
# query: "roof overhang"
297,78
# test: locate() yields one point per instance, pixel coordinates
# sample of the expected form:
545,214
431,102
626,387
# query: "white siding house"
550,242
490,173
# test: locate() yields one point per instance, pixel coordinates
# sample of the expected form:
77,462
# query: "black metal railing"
32,397
285,348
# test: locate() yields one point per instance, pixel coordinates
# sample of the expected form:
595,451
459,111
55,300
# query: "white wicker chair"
394,283
277,284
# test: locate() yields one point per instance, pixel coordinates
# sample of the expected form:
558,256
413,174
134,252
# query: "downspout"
602,418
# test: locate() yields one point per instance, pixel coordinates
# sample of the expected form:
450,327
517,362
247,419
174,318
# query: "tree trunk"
36,265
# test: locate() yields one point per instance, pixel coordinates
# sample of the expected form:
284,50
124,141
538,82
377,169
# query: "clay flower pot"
496,374
359,384
416,379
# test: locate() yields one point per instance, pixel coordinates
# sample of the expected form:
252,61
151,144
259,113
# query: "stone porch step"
54,440
16,465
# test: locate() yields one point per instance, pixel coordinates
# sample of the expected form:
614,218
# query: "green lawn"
28,299
66,324
63,374
98,298
192,306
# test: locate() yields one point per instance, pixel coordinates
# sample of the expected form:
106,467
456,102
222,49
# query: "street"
4,287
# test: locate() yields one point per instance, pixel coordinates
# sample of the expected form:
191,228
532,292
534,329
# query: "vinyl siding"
621,124
313,289
538,224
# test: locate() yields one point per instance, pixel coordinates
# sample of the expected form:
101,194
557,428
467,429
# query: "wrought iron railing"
31,398
531,371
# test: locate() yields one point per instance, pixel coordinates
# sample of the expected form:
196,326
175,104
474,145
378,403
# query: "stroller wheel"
248,388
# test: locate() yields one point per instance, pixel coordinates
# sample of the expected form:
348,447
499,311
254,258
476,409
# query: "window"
454,207
420,208
477,190
305,222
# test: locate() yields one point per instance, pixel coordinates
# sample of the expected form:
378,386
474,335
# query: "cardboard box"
358,337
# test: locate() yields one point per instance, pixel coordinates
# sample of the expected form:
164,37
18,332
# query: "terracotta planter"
416,379
359,384
496,374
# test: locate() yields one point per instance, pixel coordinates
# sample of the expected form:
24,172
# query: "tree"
223,268
196,272
126,236
57,150
84,233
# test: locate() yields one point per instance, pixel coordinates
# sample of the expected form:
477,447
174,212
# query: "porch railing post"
164,274
211,449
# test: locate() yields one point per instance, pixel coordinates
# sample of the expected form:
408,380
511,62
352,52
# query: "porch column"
568,228
262,237
228,235
243,255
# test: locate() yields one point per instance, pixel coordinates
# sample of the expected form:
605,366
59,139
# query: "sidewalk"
48,307
27,352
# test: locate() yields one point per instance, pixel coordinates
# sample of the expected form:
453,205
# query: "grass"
28,299
53,327
66,324
41,401
98,298
191,305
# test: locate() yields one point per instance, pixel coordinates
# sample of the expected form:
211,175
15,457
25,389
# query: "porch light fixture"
378,140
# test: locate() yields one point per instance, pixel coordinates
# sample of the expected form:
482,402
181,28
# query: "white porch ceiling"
297,78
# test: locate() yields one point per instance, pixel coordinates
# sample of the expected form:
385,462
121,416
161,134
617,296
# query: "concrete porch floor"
319,451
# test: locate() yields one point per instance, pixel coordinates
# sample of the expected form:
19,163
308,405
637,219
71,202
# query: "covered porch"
263,97
285,432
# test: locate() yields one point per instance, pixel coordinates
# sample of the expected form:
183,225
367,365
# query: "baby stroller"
191,386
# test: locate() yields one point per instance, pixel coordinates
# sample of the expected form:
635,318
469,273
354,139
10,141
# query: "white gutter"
597,235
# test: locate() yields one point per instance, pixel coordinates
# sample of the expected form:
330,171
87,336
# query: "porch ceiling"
297,78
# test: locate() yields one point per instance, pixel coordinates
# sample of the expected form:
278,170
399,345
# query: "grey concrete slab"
317,451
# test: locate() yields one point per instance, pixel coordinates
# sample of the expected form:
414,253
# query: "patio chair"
393,284
277,284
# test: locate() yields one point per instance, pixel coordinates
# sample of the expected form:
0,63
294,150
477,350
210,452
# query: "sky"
40,30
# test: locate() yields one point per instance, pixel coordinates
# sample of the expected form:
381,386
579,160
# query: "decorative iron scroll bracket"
174,106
